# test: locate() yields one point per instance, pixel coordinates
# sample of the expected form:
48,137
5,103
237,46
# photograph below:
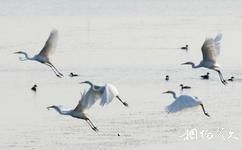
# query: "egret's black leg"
205,113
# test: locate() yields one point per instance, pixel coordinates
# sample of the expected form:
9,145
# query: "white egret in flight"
79,111
183,102
210,51
106,93
43,56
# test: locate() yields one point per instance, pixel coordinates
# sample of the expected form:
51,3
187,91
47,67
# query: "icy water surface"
132,44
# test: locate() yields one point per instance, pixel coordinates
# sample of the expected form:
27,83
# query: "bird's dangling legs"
124,103
57,73
221,77
205,113
56,69
92,125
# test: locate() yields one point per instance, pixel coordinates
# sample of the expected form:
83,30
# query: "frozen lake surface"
133,45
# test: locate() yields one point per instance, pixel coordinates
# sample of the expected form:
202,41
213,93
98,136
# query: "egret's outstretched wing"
50,44
209,51
182,102
88,99
107,95
79,107
217,41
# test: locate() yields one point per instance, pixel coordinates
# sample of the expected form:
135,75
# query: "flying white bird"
210,51
105,93
183,102
78,112
43,56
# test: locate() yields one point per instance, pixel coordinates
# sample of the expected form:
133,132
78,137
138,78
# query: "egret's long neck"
93,87
194,66
26,56
173,94
60,111
90,83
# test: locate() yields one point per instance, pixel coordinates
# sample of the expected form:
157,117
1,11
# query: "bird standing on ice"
106,93
183,102
210,51
43,56
79,111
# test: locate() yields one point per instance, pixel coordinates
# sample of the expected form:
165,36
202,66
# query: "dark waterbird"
206,77
184,87
34,88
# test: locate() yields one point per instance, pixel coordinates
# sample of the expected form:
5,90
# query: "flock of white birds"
105,94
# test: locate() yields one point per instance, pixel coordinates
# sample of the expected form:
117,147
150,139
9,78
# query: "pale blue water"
132,45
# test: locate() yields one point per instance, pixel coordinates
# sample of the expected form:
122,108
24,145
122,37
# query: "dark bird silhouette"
206,77
73,75
34,88
184,87
185,47
167,78
231,79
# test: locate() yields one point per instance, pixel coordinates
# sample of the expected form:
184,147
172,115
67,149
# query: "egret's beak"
82,82
16,53
165,92
184,63
187,63
49,107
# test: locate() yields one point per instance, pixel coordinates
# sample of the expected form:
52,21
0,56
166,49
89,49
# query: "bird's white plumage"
50,44
210,51
104,93
217,41
211,48
89,99
108,94
182,102
79,112
43,56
